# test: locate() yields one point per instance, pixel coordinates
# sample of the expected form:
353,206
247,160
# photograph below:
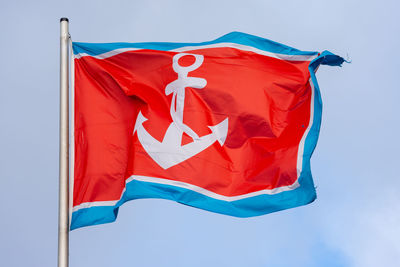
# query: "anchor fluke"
220,131
139,121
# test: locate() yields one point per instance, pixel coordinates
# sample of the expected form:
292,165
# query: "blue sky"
354,222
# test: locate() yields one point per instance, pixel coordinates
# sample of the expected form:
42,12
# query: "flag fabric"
227,126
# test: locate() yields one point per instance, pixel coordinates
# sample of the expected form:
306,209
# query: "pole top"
64,19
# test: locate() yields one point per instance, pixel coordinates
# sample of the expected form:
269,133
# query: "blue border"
252,206
94,49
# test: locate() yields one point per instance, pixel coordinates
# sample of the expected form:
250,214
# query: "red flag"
227,126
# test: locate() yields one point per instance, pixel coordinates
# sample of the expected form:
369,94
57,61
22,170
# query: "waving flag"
227,126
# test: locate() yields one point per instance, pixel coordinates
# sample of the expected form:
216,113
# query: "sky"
355,221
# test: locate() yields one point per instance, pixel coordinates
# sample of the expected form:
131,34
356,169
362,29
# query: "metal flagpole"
63,204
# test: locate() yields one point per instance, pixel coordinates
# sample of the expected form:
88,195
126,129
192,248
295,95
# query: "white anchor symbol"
170,152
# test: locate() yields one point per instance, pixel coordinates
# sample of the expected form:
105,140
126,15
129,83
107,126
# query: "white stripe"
250,49
210,193
218,45
189,187
300,152
109,53
98,203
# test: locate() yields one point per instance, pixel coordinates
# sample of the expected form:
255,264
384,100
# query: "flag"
227,126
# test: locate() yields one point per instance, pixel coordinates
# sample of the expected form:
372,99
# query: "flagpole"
63,204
